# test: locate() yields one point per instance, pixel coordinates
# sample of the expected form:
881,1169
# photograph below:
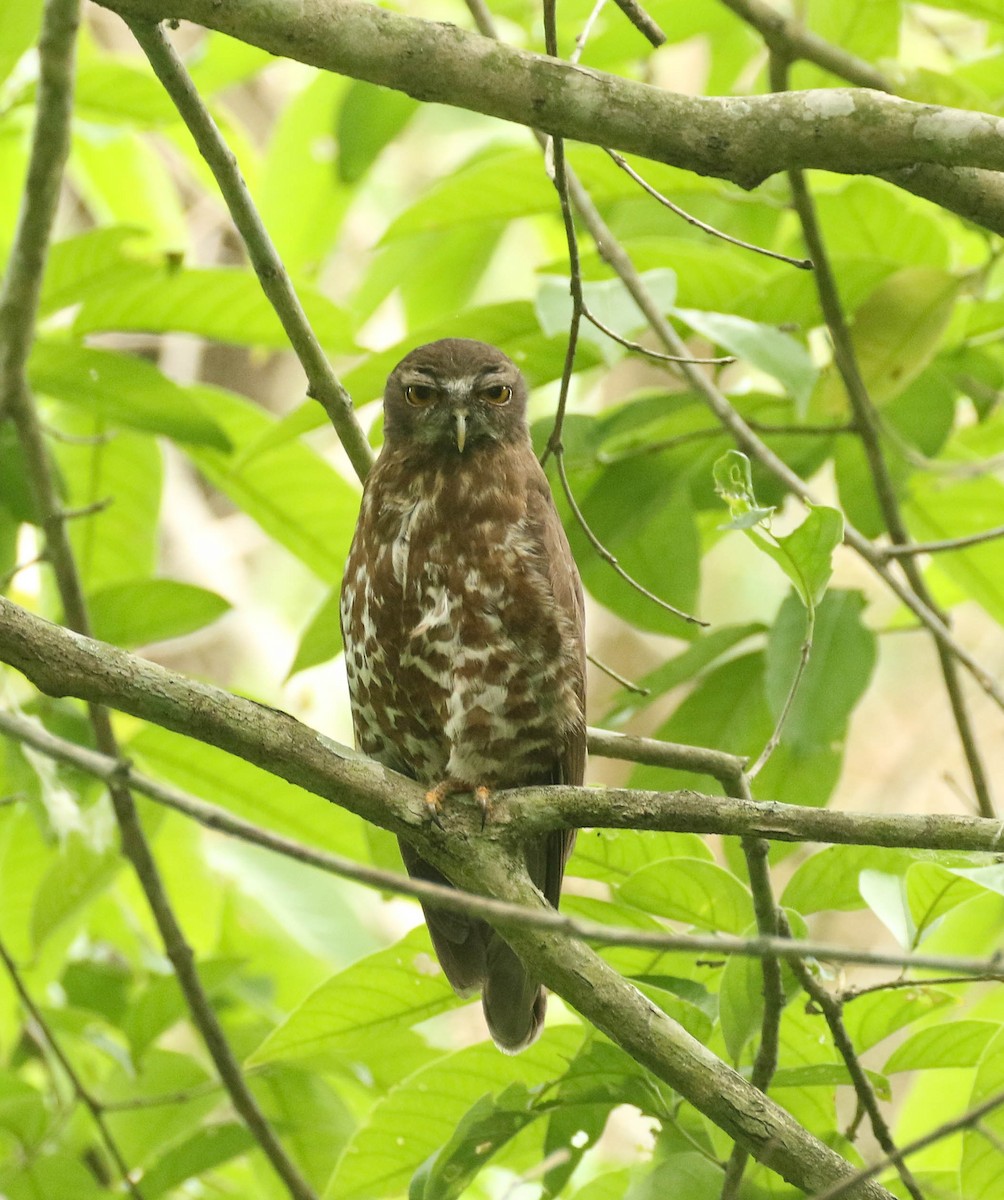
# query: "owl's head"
455,395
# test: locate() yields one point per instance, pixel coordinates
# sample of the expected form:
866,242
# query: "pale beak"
460,416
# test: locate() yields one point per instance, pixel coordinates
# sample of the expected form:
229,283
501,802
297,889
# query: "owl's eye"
499,393
419,394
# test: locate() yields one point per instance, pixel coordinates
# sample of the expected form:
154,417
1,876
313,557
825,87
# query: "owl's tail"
513,1002
475,958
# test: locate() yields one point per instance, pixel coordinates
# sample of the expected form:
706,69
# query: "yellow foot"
435,797
483,795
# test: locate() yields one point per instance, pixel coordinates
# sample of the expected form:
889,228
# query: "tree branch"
61,663
454,899
845,130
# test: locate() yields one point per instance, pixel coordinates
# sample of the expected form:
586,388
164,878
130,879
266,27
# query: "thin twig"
641,20
658,447
756,852
653,752
947,544
865,418
803,661
86,510
554,444
587,29
607,556
80,1089
657,355
968,1120
803,264
617,677
890,985
322,383
795,41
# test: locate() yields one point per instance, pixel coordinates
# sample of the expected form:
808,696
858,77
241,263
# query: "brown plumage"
462,621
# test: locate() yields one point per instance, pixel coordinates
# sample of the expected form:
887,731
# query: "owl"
462,620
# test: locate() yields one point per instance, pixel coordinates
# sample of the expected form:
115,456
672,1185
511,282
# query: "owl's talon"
434,803
483,795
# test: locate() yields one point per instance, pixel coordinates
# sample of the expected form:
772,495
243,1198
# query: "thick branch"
61,663
745,140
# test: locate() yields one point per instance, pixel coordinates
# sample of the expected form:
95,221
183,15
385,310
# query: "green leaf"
51,1175
827,1075
600,1077
298,194
885,895
250,792
947,1044
809,549
726,711
290,490
773,352
122,477
322,638
89,262
358,1013
420,1114
982,1171
611,855
124,391
692,890
806,554
839,669
608,300
159,1005
896,332
937,509
78,873
872,1017
161,1074
497,185
829,879
122,180
22,1109
116,92
650,528
152,610
19,24
689,1174
204,1150
223,304
933,890
369,118
480,1133
703,652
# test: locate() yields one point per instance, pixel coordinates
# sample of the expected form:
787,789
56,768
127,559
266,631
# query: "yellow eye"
499,393
419,394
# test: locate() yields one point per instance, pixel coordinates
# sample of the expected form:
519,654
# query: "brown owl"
462,619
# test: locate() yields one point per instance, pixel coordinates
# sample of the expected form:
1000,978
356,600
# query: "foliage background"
214,509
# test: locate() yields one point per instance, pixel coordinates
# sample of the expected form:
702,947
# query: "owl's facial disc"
454,395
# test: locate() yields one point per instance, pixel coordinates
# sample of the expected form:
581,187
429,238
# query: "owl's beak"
460,416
